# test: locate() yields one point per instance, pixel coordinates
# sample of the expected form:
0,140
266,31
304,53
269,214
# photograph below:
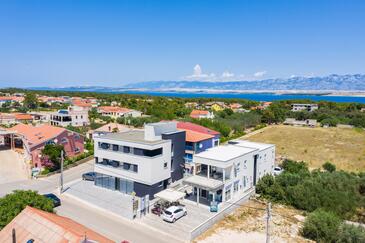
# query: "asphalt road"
113,227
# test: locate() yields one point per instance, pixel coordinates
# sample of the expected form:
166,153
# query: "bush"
351,234
329,167
12,204
321,226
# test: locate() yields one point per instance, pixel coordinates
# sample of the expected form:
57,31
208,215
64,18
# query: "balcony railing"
213,175
189,147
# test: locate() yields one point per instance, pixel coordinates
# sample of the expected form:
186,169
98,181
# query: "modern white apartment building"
229,170
75,116
304,107
143,162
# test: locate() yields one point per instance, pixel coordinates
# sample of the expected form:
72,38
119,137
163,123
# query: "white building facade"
228,171
75,116
142,162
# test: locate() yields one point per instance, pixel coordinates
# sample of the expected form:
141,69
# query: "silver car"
173,213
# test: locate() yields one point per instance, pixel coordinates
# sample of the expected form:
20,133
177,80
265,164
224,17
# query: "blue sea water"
256,97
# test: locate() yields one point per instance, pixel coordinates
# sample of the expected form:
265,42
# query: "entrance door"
255,169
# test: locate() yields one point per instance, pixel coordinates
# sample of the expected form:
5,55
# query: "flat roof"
224,152
134,136
203,182
249,144
170,195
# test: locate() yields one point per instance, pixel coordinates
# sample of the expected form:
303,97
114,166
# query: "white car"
173,213
277,171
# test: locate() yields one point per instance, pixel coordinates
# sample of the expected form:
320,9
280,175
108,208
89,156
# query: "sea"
252,96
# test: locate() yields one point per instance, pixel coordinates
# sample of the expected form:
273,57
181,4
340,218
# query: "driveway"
12,167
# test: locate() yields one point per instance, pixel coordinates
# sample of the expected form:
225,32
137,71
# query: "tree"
52,156
321,226
329,167
30,101
12,204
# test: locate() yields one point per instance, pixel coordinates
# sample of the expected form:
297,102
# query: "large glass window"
147,153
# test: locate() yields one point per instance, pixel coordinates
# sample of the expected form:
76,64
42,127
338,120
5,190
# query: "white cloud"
199,75
259,74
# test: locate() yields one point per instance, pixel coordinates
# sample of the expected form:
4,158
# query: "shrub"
329,167
12,204
321,226
351,234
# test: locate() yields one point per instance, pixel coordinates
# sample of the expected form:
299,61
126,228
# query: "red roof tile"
36,135
192,136
42,226
196,128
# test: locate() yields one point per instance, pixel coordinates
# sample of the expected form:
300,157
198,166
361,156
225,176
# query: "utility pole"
61,175
268,218
13,235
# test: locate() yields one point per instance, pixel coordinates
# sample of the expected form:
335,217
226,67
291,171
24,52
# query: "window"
64,140
147,153
96,160
126,166
115,147
77,150
77,136
126,149
135,168
82,117
115,163
165,165
160,184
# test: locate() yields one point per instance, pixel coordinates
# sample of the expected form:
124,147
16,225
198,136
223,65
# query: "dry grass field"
344,147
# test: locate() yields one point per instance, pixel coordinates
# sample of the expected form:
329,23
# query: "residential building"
41,116
197,139
304,107
215,105
32,140
263,105
50,100
306,123
227,171
199,114
14,118
140,162
116,112
10,99
108,128
75,116
191,105
35,225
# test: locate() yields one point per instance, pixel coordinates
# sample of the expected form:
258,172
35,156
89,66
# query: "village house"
197,139
116,112
32,139
11,100
35,225
49,100
262,106
14,118
304,107
199,114
215,106
75,116
108,128
305,123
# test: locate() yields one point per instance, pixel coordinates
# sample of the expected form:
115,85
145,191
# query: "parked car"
89,176
173,213
56,201
277,171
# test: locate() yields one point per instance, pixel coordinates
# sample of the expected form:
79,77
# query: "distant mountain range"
334,82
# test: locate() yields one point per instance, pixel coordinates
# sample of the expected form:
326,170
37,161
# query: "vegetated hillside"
348,82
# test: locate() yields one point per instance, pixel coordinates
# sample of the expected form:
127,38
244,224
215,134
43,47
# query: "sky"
112,43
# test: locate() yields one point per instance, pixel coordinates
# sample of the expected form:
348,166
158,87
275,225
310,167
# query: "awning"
203,182
170,195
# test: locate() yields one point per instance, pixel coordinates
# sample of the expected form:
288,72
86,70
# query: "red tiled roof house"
34,138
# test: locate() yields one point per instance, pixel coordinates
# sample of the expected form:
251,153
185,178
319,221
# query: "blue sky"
61,43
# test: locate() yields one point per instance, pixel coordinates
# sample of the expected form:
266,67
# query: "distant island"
333,85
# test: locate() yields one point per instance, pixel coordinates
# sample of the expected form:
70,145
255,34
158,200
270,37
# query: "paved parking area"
112,201
12,167
182,227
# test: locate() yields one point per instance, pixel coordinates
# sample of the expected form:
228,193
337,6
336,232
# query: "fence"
200,229
76,163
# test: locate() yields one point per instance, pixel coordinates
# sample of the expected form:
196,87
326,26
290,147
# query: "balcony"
189,147
216,175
